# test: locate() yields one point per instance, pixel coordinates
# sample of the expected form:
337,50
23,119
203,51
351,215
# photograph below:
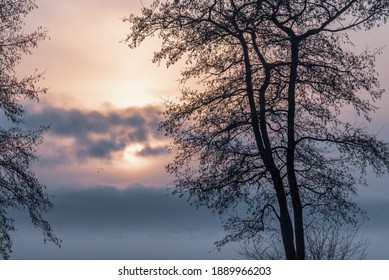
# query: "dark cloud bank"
101,134
144,223
134,223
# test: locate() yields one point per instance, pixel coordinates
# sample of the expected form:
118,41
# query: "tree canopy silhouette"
265,127
19,189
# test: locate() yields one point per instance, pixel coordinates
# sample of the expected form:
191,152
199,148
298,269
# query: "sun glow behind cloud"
134,155
114,146
131,152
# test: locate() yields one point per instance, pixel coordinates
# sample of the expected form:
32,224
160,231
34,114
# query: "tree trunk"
267,157
294,191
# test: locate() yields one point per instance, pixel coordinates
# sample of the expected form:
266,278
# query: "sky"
103,157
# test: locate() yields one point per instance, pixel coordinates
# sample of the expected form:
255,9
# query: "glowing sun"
131,154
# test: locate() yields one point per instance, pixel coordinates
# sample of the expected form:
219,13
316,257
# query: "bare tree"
264,129
262,247
19,189
324,242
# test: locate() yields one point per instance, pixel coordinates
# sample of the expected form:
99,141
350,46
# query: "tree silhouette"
264,127
19,189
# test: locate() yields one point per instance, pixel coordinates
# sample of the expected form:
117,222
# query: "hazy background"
103,158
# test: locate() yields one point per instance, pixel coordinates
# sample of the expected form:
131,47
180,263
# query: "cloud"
151,151
95,134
